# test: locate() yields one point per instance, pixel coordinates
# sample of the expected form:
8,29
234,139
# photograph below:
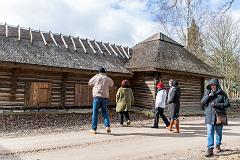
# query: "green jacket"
124,99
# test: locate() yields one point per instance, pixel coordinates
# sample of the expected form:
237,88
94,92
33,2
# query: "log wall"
144,88
20,88
143,85
191,88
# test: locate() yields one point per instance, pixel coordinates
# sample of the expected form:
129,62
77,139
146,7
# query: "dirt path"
131,143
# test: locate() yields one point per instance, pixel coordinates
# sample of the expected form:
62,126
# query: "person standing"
160,104
124,101
174,106
214,102
101,84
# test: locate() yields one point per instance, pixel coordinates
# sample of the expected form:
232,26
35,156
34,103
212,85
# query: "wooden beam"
119,51
106,48
19,33
91,46
202,86
53,39
13,86
6,29
128,51
125,52
98,47
44,40
30,33
63,89
74,46
65,44
112,49
82,45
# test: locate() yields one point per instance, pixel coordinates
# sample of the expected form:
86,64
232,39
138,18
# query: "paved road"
128,143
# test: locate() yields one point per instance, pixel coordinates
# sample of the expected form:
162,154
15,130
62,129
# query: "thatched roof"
161,52
27,46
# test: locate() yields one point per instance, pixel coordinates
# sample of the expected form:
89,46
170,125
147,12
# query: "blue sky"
123,22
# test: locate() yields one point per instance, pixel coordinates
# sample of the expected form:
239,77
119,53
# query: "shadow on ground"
187,130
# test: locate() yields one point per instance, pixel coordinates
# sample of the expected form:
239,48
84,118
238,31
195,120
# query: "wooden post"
74,46
13,86
6,29
98,47
44,40
89,43
65,44
106,48
112,49
157,79
19,33
80,41
125,52
63,89
202,86
53,39
119,50
30,33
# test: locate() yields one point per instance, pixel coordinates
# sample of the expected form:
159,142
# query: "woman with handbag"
214,102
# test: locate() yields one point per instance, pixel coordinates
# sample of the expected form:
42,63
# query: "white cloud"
117,21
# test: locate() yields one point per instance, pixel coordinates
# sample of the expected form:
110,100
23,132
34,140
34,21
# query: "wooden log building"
45,70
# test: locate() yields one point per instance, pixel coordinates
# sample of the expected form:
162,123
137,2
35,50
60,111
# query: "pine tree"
194,41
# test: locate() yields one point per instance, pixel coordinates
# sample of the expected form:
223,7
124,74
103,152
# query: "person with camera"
214,103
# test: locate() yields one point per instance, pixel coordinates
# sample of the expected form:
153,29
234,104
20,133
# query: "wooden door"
40,94
83,95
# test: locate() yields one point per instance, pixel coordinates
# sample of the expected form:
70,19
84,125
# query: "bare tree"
224,47
175,16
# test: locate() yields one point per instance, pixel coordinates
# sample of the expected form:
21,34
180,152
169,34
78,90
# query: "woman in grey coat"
214,102
174,105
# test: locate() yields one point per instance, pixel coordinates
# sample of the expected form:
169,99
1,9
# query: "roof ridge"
50,37
161,37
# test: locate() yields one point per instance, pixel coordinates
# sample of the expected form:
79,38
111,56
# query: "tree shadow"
5,154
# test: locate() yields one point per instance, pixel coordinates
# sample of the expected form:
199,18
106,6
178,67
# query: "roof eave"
152,69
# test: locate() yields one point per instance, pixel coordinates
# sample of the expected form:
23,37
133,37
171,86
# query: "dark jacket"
217,102
174,100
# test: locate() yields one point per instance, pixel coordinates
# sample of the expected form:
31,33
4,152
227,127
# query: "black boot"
218,149
209,152
156,119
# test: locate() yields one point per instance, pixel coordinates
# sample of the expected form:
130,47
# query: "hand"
213,104
211,94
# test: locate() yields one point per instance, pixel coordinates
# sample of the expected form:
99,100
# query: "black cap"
101,70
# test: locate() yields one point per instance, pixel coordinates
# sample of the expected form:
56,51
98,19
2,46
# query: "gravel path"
138,142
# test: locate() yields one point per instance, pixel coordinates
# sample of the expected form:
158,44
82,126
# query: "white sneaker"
93,131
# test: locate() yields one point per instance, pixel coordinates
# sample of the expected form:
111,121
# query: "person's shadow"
186,130
5,154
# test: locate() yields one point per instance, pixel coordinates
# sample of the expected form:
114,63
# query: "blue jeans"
210,132
103,104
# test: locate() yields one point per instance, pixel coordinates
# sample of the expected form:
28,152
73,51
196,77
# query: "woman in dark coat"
174,105
214,102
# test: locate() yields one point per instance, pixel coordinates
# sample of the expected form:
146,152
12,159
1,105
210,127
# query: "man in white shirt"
101,84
